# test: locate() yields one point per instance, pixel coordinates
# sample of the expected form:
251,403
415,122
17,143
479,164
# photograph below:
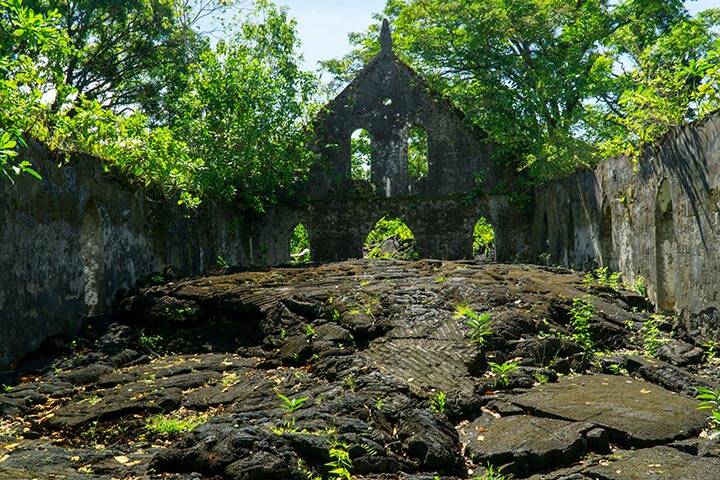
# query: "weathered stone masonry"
387,99
660,220
70,242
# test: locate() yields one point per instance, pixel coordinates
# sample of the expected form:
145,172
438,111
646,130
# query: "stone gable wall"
463,183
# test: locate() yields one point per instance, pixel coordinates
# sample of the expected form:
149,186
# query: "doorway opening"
389,239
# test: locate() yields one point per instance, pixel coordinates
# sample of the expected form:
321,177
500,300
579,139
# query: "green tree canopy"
125,52
244,108
135,84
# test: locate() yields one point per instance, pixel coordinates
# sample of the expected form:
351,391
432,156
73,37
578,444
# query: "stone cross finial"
386,42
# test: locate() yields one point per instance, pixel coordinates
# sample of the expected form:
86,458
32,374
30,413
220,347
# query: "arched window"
665,248
418,165
484,240
300,245
360,155
391,238
92,256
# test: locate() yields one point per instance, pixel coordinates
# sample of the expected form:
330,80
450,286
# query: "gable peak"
386,42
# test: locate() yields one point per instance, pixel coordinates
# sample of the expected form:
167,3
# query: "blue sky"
324,25
698,5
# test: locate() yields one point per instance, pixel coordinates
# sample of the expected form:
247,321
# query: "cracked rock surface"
368,367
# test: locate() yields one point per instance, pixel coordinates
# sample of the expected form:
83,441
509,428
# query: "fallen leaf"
122,459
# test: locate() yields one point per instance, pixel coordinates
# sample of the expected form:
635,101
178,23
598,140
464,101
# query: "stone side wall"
659,220
69,243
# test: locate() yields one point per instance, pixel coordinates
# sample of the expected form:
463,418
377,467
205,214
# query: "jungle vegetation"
147,86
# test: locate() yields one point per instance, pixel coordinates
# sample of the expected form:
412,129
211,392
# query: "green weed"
350,383
438,402
151,342
545,259
603,277
229,379
168,425
92,401
492,473
710,400
711,348
221,262
580,314
340,463
640,286
616,369
503,371
651,335
480,325
309,331
291,405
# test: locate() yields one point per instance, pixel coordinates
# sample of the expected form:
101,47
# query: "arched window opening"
360,155
389,239
665,249
484,240
300,246
418,165
606,237
93,260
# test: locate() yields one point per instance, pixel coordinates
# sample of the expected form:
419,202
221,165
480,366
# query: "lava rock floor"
367,368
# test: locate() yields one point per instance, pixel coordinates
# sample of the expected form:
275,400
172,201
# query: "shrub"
580,314
167,425
300,246
386,229
483,238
